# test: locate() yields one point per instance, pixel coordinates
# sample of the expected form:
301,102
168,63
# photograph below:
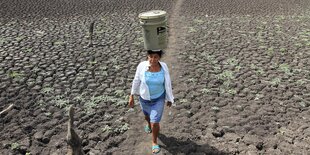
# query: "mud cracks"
241,77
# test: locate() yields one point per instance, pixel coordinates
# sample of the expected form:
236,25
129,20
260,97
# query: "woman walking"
153,86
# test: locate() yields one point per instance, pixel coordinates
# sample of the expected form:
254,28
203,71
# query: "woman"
153,85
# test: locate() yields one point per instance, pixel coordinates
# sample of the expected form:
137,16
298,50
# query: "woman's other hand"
131,101
169,104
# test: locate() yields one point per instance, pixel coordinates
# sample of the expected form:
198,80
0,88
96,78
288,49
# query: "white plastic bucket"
154,24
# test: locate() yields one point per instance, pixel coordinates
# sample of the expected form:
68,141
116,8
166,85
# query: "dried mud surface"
241,76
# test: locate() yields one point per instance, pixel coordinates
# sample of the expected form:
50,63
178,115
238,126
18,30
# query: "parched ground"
239,68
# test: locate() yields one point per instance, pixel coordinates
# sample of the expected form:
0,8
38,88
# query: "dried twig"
91,32
7,109
73,140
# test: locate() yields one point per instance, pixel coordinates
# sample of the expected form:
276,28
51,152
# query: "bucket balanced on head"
154,24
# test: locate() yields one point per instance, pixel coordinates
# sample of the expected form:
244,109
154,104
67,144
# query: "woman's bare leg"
155,132
147,118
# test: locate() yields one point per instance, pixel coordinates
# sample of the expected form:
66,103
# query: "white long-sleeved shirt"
139,86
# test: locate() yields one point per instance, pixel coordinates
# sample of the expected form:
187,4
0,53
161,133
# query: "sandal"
155,149
147,129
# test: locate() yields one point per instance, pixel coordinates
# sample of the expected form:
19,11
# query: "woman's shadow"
175,146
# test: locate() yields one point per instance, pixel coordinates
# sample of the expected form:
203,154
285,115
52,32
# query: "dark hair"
159,52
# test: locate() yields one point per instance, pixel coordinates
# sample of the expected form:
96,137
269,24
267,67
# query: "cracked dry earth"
240,72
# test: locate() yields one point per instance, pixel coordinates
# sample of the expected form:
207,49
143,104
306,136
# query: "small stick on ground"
91,32
7,109
73,140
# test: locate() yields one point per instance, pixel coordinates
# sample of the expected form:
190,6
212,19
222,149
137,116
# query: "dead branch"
91,32
7,109
73,140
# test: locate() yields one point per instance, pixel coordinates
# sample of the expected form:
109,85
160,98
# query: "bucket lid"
152,14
